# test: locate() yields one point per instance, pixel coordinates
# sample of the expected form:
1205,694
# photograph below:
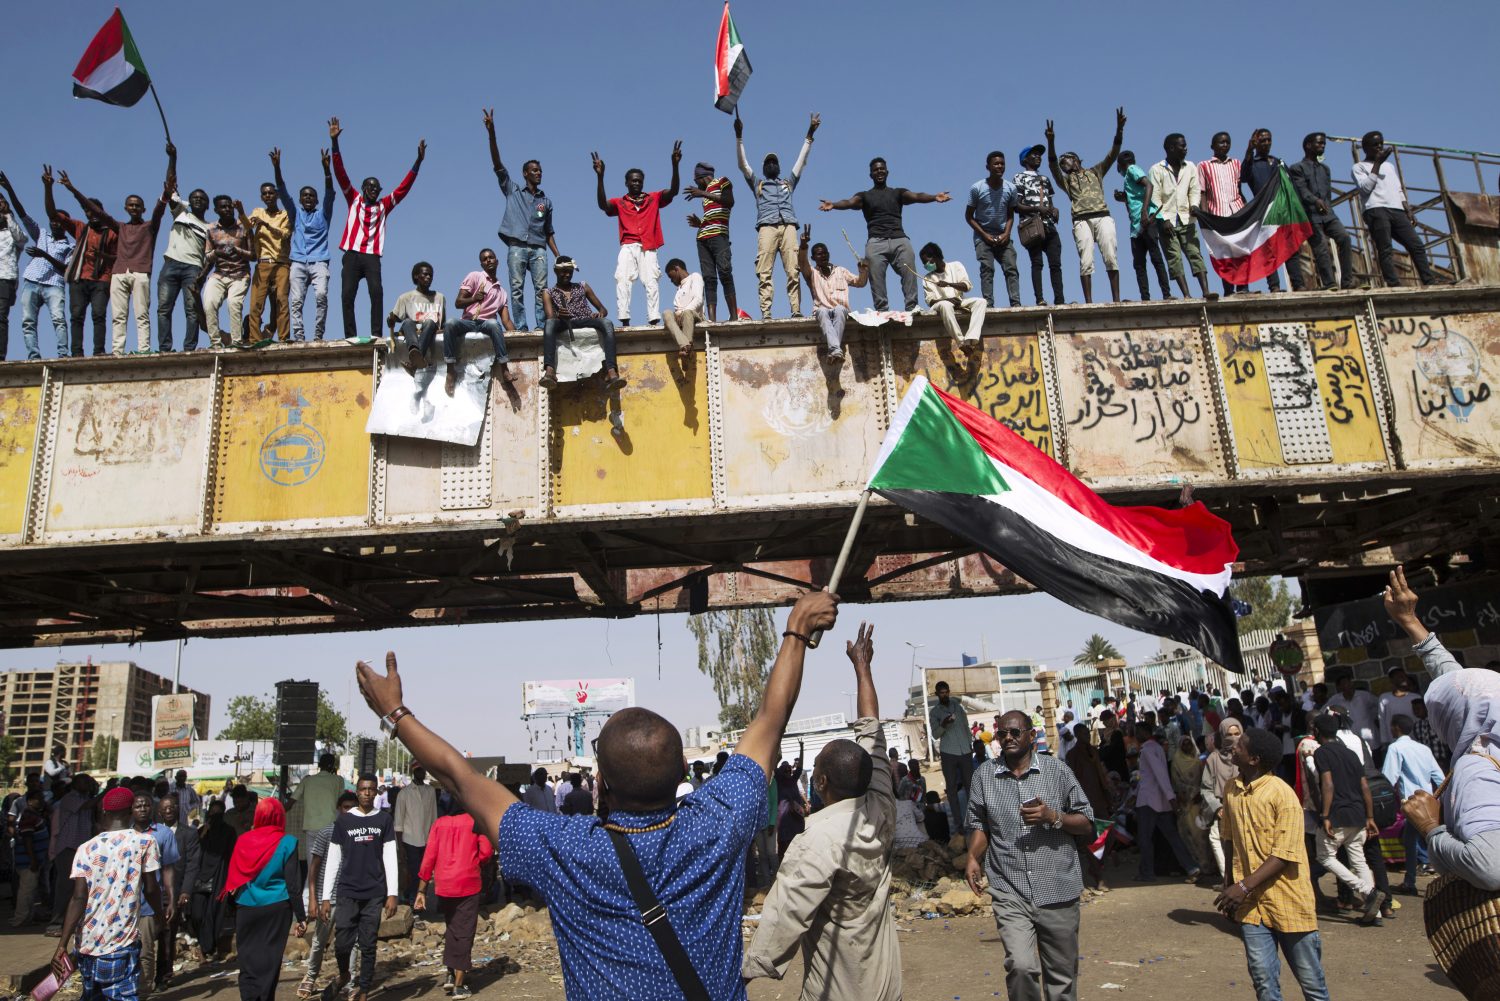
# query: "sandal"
308,987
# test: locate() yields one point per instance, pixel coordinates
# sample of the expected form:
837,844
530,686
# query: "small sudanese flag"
1160,571
111,69
1259,238
731,65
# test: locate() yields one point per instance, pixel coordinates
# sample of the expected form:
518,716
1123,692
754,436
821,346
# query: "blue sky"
931,87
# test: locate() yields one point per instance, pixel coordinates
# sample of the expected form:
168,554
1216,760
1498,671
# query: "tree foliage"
1271,602
103,754
735,649
1095,649
9,752
253,717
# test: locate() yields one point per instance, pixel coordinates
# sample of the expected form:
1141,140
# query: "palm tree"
1096,649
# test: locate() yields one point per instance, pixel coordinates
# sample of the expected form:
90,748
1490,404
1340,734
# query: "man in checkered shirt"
1026,812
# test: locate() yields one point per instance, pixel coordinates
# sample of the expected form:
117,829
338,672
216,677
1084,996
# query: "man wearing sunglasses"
1025,812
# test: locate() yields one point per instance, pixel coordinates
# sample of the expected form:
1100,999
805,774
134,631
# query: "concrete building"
71,705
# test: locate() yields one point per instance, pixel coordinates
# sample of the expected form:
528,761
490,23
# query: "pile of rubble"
928,882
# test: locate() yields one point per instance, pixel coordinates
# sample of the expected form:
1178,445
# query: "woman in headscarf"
265,881
216,843
1218,770
791,808
1186,772
1462,827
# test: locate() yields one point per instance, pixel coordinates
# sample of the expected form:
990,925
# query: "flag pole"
838,566
160,112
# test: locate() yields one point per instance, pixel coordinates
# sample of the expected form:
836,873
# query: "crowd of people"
100,265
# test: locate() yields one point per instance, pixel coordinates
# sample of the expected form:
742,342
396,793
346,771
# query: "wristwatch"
1056,825
389,721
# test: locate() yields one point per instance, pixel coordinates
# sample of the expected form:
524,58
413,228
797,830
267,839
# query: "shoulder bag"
654,917
1033,231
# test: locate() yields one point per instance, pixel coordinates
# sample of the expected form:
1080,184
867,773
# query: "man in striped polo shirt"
363,241
1219,180
713,238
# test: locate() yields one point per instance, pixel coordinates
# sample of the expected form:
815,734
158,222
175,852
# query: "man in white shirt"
944,285
1396,702
687,306
416,812
1386,211
539,792
1175,197
563,787
1361,708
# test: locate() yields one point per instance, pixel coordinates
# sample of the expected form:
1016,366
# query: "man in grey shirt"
775,222
1025,812
949,726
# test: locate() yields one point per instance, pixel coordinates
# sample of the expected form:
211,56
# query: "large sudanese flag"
1159,571
1259,238
111,69
731,65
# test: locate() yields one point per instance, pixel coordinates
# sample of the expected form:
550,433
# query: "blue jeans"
1304,954
1415,847
556,326
520,259
32,298
453,337
175,277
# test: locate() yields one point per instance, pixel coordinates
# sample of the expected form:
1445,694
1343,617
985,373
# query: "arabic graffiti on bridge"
1145,379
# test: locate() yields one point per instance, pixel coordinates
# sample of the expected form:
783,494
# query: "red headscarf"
254,848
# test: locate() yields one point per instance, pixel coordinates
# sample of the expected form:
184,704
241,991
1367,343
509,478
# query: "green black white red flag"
111,69
1160,571
1259,238
731,65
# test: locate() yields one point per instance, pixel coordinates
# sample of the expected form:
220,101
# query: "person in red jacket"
453,860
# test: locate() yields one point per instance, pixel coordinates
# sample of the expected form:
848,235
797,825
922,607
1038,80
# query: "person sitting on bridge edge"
713,239
1143,242
363,241
944,284
525,229
1092,224
1175,197
687,306
688,858
775,222
419,314
569,305
639,213
886,243
483,303
830,287
309,250
1314,185
1388,213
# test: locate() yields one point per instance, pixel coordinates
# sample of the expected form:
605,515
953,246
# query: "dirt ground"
1141,941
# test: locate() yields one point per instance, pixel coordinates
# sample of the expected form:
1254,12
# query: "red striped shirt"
364,230
1220,182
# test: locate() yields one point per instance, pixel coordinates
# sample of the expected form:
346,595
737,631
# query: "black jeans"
357,921
956,771
713,261
1324,229
1142,245
83,295
1052,249
1388,224
557,325
357,267
7,300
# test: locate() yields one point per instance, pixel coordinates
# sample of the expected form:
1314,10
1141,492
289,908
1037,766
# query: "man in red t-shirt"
639,212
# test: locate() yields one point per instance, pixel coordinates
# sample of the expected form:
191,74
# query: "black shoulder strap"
654,917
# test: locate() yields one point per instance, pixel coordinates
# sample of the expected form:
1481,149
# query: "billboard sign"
171,730
594,694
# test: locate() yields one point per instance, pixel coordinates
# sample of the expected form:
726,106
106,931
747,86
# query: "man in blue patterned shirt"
1026,811
692,853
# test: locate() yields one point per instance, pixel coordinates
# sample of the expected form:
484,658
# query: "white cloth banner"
420,407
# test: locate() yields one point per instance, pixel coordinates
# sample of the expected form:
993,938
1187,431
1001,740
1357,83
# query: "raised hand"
47,173
62,175
489,119
334,128
239,208
677,152
598,164
275,155
739,126
171,148
813,123
942,196
421,150
1050,133
806,233
382,692
1120,119
824,205
861,649
326,158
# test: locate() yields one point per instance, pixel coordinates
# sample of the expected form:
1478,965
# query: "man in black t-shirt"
1346,815
359,873
887,243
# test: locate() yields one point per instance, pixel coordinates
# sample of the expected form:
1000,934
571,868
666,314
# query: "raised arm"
495,163
1052,166
327,206
334,131
15,199
604,205
807,141
815,611
923,198
803,264
739,149
485,799
88,204
282,194
852,202
676,185
404,188
861,651
1114,149
49,203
